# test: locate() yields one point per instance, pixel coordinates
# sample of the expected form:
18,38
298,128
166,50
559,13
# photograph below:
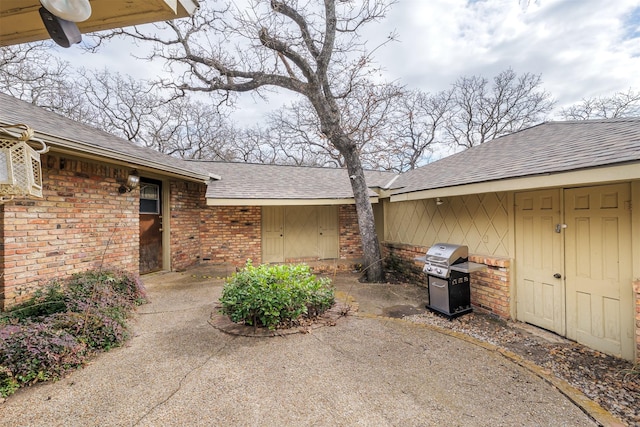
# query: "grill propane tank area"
447,267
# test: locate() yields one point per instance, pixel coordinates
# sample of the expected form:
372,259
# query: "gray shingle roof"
547,148
258,181
86,138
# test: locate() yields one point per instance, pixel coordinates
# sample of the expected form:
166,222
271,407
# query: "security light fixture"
59,18
133,180
439,201
69,10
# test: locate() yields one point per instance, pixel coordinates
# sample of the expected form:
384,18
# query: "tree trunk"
366,222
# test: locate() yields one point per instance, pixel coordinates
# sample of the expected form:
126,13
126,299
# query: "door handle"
558,276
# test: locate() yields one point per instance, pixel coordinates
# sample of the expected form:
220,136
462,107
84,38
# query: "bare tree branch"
618,105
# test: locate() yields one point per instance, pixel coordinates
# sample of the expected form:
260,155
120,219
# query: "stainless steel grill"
441,256
447,267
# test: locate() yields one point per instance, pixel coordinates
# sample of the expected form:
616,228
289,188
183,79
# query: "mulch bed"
303,326
611,382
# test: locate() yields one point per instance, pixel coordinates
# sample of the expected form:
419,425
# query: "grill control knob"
439,270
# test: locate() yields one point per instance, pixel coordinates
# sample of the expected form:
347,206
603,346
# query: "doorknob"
558,276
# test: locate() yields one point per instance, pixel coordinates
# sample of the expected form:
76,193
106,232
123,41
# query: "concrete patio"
368,369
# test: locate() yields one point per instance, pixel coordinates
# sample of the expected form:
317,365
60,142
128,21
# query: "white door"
539,257
598,262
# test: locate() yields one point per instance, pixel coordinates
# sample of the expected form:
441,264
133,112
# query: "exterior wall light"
439,201
133,180
60,16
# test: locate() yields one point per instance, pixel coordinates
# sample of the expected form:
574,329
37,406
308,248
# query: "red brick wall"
350,242
186,201
81,223
490,289
231,234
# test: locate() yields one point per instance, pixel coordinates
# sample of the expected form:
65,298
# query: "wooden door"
599,270
273,234
301,232
150,227
539,260
328,232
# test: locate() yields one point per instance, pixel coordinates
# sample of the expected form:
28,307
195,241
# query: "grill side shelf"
467,267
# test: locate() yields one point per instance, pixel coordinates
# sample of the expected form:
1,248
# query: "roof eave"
80,149
598,175
281,202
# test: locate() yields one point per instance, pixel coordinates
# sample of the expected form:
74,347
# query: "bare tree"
620,104
297,129
124,106
368,114
312,50
415,129
481,112
29,72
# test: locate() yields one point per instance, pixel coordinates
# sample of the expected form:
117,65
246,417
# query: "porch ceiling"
20,21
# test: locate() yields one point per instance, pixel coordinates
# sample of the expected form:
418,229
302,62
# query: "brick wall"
490,289
231,234
81,223
350,242
186,202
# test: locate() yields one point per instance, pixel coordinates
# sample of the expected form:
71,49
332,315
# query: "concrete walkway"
178,370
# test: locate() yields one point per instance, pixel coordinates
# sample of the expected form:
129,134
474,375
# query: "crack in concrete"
181,382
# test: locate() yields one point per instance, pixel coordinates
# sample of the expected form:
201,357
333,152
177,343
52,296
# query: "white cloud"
579,47
582,48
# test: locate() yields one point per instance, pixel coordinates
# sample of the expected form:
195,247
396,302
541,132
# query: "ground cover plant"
64,324
275,296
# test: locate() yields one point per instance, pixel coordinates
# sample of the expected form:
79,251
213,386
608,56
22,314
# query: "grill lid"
441,256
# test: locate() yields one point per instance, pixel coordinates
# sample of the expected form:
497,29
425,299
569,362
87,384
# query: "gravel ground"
611,382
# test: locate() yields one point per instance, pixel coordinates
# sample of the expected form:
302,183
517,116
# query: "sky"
581,48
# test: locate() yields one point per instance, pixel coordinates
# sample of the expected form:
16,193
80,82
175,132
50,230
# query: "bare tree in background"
311,49
29,72
415,129
297,128
618,105
123,105
366,118
481,111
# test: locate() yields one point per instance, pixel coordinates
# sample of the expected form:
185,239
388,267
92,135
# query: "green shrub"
61,326
278,295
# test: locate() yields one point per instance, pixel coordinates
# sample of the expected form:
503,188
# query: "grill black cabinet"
452,296
448,267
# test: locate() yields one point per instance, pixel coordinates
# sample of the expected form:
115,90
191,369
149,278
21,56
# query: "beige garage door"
299,232
577,282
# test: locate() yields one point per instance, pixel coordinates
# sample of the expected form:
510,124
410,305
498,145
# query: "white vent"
20,166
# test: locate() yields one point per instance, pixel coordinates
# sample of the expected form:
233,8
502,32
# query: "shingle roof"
547,148
258,181
85,138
